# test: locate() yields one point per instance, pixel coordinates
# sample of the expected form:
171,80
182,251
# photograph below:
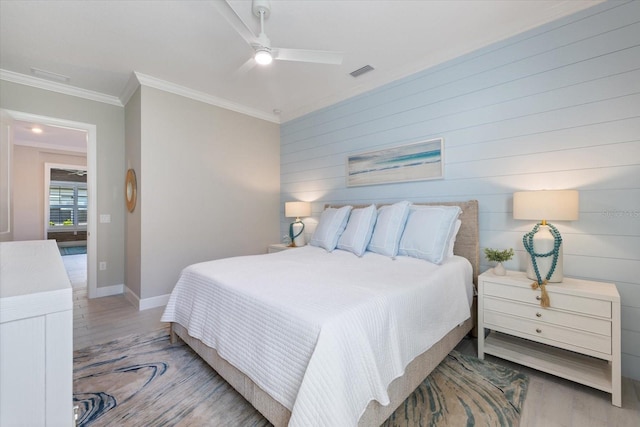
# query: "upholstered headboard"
468,240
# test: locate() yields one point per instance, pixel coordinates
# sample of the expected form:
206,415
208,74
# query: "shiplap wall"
557,107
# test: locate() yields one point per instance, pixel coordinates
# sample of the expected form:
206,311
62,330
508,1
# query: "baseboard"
145,303
153,302
107,291
131,297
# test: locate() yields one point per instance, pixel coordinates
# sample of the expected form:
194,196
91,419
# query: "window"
67,205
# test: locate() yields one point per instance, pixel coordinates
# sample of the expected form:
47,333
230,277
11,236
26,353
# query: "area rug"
464,391
73,250
143,380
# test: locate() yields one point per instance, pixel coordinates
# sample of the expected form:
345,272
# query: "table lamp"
544,243
296,210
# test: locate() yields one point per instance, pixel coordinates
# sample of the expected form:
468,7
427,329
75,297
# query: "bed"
348,354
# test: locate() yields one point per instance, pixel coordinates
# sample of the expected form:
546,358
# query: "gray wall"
557,107
109,121
208,185
28,187
132,219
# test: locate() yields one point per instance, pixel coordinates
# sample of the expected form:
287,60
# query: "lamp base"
296,229
543,243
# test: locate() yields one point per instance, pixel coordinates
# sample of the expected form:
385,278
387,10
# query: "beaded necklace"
527,241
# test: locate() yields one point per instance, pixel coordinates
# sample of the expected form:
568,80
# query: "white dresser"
36,336
577,337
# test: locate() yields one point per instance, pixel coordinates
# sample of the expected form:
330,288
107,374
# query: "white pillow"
428,232
332,224
388,229
452,241
356,236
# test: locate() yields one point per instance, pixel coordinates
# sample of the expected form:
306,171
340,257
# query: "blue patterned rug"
464,391
146,381
73,250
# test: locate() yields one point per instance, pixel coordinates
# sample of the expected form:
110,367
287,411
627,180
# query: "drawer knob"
538,297
538,330
538,314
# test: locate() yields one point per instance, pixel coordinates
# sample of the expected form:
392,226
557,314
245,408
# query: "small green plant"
496,255
67,222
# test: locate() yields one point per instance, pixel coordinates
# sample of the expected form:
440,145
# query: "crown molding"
149,81
136,80
39,83
130,88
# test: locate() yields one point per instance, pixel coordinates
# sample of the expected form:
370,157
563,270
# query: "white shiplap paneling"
556,107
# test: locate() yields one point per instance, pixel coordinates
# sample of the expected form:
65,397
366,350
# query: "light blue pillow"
428,232
356,236
332,224
388,228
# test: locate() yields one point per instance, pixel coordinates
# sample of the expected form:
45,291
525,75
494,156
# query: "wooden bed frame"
466,245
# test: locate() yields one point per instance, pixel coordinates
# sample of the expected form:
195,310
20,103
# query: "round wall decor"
131,190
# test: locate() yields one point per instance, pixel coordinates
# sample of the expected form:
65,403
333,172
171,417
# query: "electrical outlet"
103,265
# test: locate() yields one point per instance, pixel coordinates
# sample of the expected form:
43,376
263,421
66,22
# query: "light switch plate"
105,218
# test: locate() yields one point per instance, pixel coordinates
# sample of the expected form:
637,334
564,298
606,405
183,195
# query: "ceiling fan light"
263,57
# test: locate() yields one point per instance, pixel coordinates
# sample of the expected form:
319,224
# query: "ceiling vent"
49,75
361,71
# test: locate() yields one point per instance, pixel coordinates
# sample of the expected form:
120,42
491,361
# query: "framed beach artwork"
412,162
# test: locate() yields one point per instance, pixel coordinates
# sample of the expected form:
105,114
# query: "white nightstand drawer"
562,337
549,315
591,306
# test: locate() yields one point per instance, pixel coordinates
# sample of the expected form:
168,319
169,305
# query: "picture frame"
131,190
418,161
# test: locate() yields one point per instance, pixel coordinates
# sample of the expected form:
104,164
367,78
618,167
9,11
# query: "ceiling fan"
264,52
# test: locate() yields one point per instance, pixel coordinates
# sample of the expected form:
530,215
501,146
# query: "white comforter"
322,333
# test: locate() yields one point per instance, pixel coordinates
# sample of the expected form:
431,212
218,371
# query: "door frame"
92,162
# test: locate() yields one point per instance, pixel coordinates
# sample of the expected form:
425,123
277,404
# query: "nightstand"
577,337
277,247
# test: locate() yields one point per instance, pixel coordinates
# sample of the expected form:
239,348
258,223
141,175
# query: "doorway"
18,119
65,216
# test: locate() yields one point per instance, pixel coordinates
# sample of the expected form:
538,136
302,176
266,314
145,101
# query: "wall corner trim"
130,88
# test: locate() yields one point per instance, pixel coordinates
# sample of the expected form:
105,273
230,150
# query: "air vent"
49,75
361,71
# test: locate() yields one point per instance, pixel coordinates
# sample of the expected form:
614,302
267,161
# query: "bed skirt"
375,413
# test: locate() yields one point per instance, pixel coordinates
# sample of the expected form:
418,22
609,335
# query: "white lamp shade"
297,209
556,205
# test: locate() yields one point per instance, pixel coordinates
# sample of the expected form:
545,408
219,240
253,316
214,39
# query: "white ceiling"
60,138
98,44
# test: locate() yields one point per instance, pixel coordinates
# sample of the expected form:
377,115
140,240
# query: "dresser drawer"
536,331
549,315
593,307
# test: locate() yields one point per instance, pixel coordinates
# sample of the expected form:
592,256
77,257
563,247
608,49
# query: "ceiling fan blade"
247,66
302,55
238,24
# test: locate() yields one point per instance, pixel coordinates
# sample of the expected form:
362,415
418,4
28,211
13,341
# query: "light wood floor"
105,319
553,401
550,401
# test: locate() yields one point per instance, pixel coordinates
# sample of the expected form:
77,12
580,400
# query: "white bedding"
322,333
